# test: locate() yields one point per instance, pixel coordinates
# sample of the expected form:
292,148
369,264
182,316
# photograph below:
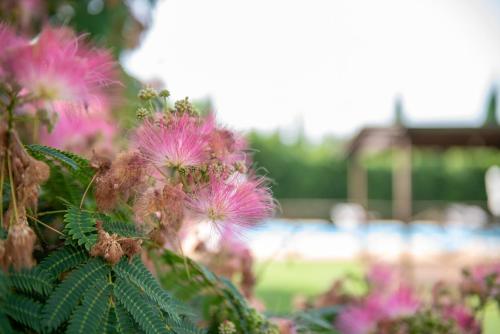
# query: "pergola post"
402,181
357,181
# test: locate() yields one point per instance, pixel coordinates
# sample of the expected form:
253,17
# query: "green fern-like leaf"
24,310
4,285
121,228
67,295
185,327
69,173
62,260
91,312
32,281
140,275
124,322
5,327
79,166
145,314
80,226
108,322
62,184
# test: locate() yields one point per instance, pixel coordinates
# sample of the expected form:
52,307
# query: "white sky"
337,65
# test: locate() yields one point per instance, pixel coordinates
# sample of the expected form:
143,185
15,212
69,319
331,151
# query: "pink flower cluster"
364,317
390,305
210,162
58,73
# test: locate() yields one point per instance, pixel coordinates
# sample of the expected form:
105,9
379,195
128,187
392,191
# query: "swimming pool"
279,238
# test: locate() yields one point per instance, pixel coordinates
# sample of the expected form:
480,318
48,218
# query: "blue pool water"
308,238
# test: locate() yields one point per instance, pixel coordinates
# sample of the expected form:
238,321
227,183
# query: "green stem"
87,190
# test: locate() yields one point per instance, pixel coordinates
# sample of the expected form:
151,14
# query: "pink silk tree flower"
59,67
231,241
464,319
9,43
400,303
362,318
381,277
81,131
232,203
227,146
179,142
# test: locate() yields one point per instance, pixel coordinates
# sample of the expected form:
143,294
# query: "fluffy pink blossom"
180,141
227,146
57,66
9,42
230,241
233,203
400,303
364,317
79,131
481,272
381,277
464,319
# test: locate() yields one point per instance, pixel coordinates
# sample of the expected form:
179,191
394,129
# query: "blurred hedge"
305,170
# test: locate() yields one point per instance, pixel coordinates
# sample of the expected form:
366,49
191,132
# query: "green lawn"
280,282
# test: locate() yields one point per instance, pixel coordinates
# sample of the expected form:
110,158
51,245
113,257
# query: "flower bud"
147,93
227,327
164,93
141,113
184,107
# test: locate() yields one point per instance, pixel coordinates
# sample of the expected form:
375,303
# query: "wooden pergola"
402,140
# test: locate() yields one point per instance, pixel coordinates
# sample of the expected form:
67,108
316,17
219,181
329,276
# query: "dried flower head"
120,180
19,245
112,247
107,246
130,246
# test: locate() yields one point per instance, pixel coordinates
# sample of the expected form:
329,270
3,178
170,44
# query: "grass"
280,282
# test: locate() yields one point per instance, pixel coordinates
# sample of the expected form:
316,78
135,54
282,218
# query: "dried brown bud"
112,247
158,236
19,246
100,162
107,246
106,195
131,246
172,206
37,172
125,174
114,252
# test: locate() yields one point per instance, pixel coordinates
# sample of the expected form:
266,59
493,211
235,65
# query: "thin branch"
12,188
42,223
1,191
49,212
87,190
